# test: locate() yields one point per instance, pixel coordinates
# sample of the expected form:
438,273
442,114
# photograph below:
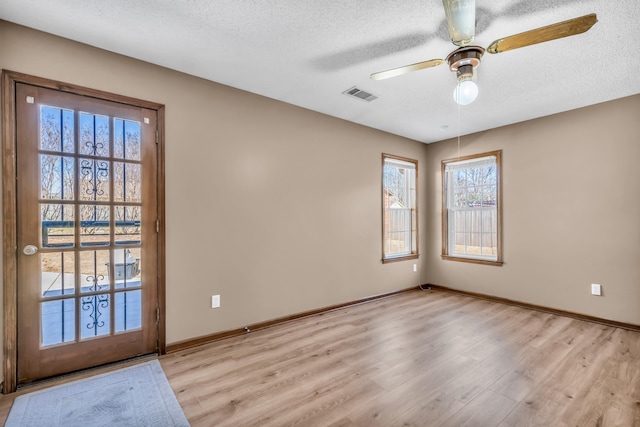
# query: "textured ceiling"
307,52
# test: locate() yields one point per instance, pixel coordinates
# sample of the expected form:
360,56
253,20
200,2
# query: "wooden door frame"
9,203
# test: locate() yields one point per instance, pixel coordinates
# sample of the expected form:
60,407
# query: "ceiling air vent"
360,94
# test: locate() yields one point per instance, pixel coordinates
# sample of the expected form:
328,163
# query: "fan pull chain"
458,132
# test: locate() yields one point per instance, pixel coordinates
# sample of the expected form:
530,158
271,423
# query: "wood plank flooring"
423,358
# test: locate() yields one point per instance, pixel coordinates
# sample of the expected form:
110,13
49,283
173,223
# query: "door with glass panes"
86,232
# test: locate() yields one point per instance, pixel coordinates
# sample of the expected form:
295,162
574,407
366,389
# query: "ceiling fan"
461,22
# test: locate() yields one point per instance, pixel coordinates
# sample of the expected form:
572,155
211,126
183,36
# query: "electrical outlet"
215,301
596,289
415,267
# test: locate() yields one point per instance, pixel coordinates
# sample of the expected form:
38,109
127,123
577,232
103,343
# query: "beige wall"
274,207
571,212
277,208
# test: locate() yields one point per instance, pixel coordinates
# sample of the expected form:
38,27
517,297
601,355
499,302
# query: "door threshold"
84,373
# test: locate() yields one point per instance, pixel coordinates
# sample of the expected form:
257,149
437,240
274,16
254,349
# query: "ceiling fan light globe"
465,92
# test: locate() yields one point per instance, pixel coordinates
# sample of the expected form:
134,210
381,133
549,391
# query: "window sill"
400,258
472,260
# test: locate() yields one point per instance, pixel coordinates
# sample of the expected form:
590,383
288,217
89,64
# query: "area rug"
139,395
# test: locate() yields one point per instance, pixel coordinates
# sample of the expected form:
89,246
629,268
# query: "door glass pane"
128,310
56,129
58,321
126,139
94,271
94,225
57,225
94,135
127,268
57,271
128,220
94,180
95,316
127,182
56,177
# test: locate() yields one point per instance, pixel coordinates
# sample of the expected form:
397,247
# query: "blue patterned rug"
139,395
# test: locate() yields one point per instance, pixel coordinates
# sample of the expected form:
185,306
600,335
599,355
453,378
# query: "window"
399,210
471,217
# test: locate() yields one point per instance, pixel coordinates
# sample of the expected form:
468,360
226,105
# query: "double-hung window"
471,209
399,210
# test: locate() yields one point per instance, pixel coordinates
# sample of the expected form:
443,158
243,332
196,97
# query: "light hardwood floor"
423,358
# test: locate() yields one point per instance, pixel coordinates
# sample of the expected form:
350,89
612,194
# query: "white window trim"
493,157
412,253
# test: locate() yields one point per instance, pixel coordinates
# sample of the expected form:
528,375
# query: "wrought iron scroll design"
94,304
94,146
98,173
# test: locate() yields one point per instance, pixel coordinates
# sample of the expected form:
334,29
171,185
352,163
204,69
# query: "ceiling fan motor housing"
468,55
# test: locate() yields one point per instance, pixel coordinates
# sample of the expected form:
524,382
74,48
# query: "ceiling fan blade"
544,34
406,69
461,20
